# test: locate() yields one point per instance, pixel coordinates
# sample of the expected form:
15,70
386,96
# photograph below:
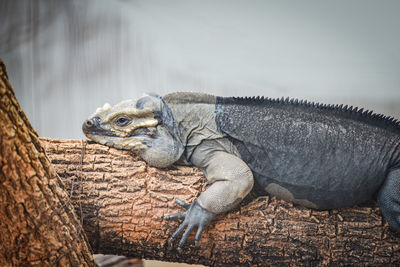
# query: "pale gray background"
66,58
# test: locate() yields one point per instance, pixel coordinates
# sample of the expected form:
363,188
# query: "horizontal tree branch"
122,201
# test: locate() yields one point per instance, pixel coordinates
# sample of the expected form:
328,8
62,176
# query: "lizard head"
137,126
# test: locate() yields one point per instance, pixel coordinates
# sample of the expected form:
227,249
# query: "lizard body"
319,156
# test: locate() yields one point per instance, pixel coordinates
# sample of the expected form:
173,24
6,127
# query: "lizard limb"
231,181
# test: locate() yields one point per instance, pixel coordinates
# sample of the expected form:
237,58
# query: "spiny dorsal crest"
353,112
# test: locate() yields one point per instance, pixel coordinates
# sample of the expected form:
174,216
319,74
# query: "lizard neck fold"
194,116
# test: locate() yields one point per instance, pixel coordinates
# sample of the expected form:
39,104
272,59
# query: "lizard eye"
122,121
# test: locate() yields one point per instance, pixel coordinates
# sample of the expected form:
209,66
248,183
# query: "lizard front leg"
231,180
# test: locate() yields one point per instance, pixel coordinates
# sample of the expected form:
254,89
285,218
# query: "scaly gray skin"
315,155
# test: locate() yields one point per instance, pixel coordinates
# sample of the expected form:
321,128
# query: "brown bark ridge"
38,226
122,202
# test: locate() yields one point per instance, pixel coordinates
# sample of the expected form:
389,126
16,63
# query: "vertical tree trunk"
38,225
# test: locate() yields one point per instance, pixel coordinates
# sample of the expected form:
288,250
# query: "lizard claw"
182,203
194,216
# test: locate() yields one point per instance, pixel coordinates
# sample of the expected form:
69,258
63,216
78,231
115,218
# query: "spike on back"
351,112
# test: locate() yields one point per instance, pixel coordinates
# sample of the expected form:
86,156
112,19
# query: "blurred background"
66,58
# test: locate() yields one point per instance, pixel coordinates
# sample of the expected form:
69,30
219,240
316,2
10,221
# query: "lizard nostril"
88,123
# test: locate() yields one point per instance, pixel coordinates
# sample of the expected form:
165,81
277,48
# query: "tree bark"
37,222
122,201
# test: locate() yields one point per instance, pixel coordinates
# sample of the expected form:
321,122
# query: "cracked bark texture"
38,226
122,202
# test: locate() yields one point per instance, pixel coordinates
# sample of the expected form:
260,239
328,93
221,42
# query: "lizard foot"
194,216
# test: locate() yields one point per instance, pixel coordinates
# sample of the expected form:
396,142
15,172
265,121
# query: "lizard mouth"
143,131
136,140
127,143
